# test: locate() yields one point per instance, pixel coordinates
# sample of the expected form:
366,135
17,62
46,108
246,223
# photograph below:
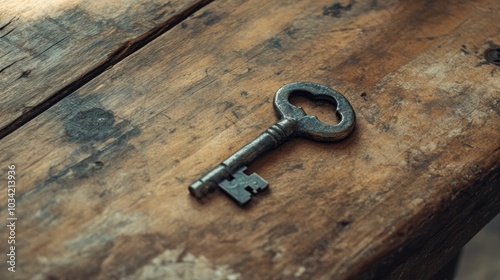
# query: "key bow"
310,126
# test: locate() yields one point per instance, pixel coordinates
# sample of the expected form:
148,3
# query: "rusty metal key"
229,175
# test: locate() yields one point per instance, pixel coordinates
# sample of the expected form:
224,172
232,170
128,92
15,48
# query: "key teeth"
242,186
255,180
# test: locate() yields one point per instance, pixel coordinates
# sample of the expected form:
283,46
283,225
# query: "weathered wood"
48,49
103,175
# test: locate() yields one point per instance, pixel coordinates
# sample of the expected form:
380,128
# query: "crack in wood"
50,47
10,65
4,35
7,24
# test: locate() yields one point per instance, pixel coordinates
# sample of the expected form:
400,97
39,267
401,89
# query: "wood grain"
103,175
48,49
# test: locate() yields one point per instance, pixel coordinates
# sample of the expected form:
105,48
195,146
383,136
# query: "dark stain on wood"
209,18
464,50
91,125
226,105
428,38
24,74
203,14
292,32
212,20
336,9
274,43
344,223
93,163
98,164
298,166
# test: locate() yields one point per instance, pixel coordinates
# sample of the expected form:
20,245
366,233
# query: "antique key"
229,176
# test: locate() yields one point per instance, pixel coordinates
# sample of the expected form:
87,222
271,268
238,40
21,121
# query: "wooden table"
110,109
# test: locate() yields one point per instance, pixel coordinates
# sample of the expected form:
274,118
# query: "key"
229,175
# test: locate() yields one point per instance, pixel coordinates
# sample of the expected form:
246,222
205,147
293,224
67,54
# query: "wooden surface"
50,48
103,174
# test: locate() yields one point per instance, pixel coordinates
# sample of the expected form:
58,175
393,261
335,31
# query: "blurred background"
480,258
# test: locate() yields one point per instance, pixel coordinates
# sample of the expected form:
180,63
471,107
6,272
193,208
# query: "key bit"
242,185
293,122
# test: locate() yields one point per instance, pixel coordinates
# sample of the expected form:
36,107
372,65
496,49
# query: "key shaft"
268,140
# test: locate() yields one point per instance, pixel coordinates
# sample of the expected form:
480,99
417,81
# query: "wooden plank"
48,49
103,175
